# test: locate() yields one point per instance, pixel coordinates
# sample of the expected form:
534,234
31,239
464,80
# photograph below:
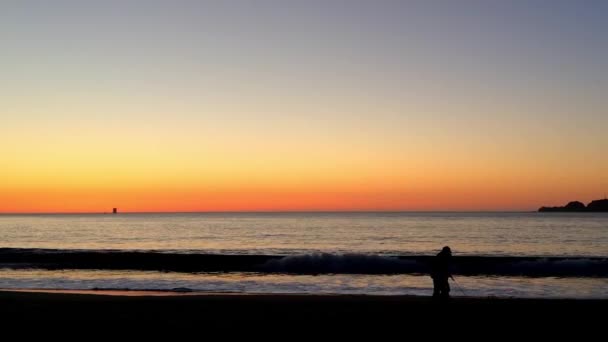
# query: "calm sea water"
516,234
481,234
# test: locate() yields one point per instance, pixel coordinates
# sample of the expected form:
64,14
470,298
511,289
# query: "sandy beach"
312,311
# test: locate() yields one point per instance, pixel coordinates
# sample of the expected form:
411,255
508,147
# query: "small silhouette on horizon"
440,273
600,205
114,210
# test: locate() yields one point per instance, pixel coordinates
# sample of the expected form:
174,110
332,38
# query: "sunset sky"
302,105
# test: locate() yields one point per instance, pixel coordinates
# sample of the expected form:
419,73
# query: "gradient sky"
302,105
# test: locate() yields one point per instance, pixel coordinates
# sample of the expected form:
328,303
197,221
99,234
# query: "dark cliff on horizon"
576,206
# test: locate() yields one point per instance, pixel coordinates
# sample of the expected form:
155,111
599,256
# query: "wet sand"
314,312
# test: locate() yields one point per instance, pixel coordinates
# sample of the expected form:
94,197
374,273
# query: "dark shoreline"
336,310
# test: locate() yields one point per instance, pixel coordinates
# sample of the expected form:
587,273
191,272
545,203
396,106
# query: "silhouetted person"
440,272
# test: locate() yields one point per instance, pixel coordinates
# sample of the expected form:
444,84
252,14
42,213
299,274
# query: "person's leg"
445,289
436,288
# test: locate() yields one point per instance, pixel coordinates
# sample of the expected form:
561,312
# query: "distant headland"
576,206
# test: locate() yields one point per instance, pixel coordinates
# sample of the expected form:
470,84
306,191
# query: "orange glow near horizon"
305,198
182,173
180,170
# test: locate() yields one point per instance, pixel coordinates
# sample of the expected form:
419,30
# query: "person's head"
446,251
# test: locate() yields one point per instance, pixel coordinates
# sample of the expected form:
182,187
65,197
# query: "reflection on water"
322,284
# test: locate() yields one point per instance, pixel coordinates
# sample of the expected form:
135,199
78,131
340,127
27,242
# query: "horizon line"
261,212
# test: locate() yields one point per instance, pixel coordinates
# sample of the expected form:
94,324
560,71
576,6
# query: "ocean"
527,254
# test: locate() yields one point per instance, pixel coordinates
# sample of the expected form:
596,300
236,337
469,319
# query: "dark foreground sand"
306,312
